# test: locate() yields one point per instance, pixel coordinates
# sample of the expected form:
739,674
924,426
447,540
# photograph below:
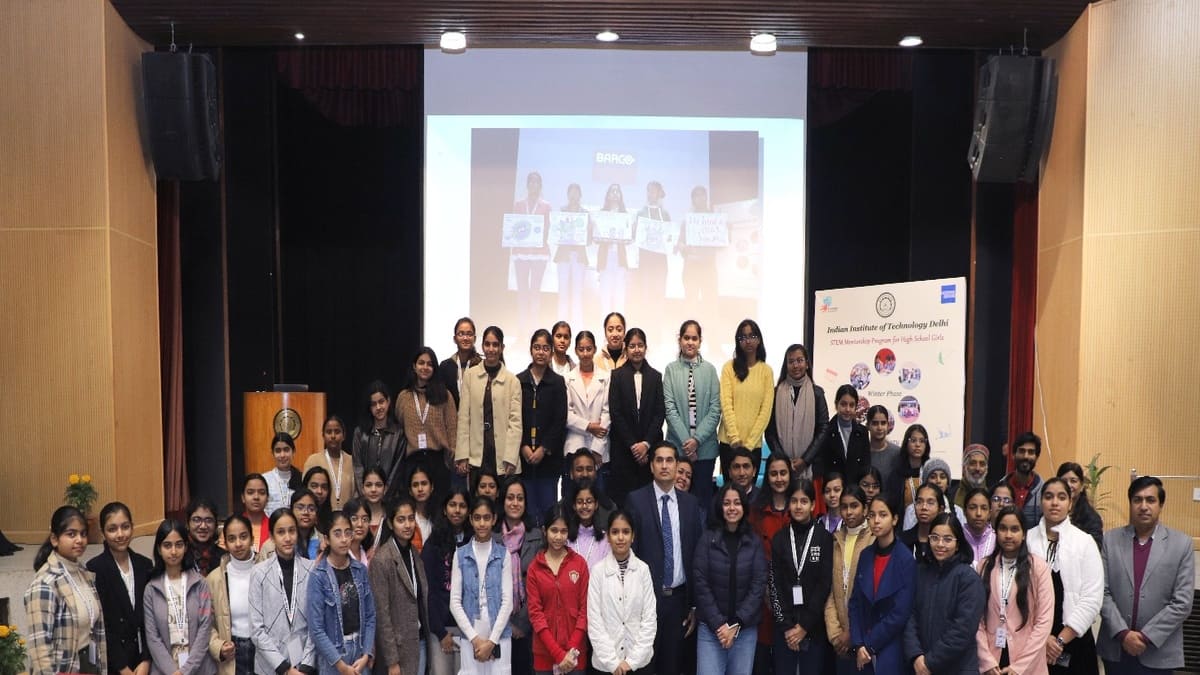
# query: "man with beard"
974,474
1025,483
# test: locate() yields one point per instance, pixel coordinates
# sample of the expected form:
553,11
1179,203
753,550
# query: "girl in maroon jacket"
556,585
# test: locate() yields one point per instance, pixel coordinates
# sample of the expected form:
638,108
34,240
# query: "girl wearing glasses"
543,424
589,538
905,475
871,482
747,396
309,542
481,596
1002,496
202,532
361,536
928,505
279,609
940,635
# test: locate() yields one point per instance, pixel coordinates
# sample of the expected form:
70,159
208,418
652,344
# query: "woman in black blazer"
121,576
852,457
636,423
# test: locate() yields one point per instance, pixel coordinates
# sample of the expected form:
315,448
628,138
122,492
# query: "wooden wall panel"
52,140
55,370
1137,169
78,268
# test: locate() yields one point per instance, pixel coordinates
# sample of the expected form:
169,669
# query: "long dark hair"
598,529
366,420
1024,566
907,435
1081,502
165,528
498,333
783,374
351,508
560,512
110,509
764,497
60,520
325,508
963,552
716,513
435,390
526,517
444,536
740,369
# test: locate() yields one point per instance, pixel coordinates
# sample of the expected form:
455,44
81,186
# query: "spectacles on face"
304,508
946,540
585,502
198,520
747,337
869,486
1003,501
465,333
360,520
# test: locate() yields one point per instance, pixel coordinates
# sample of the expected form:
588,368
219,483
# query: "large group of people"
484,522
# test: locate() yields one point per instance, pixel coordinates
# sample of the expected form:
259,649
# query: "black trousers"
668,641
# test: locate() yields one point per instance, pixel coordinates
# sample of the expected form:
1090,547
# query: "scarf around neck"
513,539
795,421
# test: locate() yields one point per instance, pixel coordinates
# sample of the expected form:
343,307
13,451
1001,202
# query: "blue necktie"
668,546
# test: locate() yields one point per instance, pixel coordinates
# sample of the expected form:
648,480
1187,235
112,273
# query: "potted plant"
82,494
12,651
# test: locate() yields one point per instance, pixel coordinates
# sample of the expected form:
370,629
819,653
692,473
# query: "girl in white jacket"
1078,574
621,610
587,402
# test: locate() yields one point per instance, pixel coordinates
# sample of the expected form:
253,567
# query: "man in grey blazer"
1149,579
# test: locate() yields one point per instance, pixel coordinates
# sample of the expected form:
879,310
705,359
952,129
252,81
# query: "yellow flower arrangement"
12,651
80,492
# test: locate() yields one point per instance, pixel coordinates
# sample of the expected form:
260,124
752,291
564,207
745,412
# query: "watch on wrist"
1059,640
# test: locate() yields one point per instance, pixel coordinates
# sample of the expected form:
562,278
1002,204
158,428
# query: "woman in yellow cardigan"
747,396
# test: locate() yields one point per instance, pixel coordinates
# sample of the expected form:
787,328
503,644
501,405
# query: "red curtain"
842,80
1024,311
358,86
170,317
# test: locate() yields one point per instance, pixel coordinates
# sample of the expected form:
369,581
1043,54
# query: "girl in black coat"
799,580
544,425
637,424
121,576
845,445
950,601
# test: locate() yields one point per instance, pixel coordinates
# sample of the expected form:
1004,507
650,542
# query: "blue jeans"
352,650
713,659
422,665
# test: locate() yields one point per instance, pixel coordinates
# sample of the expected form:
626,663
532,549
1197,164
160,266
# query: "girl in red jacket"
556,585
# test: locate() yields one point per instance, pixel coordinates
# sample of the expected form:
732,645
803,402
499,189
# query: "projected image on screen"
582,221
666,185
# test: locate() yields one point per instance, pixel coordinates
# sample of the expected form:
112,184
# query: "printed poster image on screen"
568,229
709,230
612,226
657,236
521,230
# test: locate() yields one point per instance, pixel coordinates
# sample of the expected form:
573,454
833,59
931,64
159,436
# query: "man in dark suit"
667,527
1148,590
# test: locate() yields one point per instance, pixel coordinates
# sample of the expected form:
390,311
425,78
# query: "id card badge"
422,442
797,595
182,658
93,655
1001,638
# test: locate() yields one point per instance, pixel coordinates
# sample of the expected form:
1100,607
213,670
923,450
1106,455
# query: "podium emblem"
288,421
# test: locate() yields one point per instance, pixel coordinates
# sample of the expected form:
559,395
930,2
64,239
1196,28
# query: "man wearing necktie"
668,523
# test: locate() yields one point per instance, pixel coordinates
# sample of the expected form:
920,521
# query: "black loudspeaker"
180,91
1014,115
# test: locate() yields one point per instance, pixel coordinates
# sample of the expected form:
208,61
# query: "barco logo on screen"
616,158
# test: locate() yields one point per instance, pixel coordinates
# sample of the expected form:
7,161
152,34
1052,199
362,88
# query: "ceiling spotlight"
763,43
299,36
453,41
911,41
607,36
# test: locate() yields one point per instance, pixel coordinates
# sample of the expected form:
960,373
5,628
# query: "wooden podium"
267,412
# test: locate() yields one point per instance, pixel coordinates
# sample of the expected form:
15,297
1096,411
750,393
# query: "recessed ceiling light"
911,41
607,36
453,41
763,43
299,36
